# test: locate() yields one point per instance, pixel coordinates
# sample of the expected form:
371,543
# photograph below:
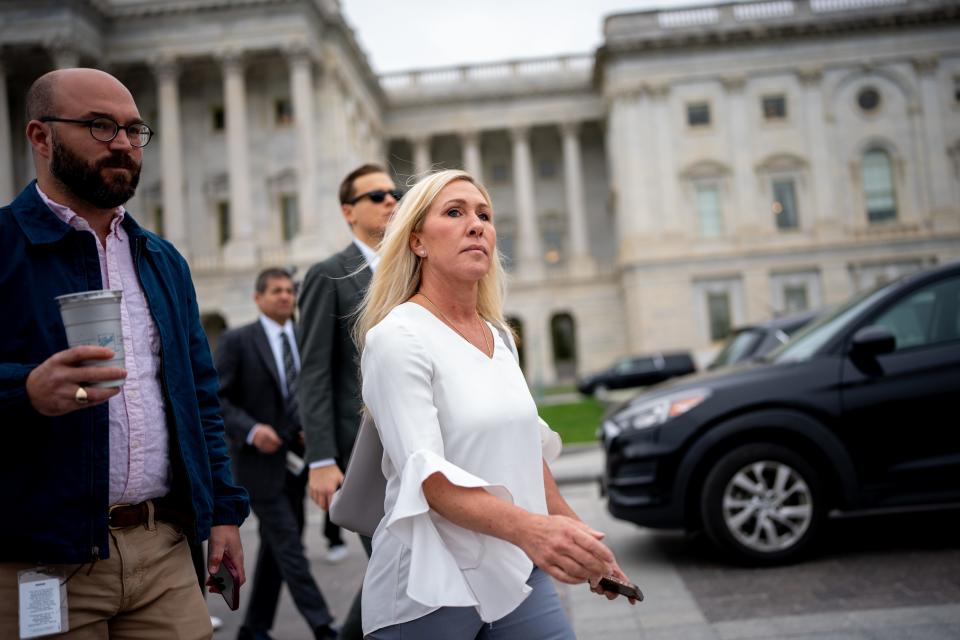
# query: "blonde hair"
398,273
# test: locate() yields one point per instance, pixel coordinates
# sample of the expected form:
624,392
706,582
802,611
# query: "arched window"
517,325
878,187
563,336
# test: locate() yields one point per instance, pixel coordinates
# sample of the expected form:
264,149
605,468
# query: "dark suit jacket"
250,393
329,383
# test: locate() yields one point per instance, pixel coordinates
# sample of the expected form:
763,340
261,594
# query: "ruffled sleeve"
444,558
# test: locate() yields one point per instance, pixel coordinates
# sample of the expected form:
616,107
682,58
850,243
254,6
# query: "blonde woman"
474,523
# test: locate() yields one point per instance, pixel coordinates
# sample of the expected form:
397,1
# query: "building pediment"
781,162
702,169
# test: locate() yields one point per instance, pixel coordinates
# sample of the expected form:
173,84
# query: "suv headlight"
654,412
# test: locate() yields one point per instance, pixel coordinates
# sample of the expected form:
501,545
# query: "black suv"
858,411
637,371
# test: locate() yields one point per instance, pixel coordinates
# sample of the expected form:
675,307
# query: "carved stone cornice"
420,139
152,9
926,65
659,90
719,26
299,53
64,51
519,133
810,76
570,128
734,83
232,59
165,67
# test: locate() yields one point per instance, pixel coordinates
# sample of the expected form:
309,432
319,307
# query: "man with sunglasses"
103,486
329,387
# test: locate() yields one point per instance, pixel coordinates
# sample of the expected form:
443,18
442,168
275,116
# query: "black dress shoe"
326,632
247,633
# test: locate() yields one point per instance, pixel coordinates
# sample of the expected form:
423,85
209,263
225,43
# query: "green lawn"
575,422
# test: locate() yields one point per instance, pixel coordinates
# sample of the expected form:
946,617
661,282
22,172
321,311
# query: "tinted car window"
742,343
806,342
927,317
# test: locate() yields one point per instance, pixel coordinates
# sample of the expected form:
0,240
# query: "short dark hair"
40,97
346,187
271,273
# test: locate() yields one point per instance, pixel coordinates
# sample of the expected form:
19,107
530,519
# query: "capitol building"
703,168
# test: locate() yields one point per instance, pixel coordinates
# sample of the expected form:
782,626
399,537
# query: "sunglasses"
378,195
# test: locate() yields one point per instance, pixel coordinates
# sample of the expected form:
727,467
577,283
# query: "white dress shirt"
441,405
370,255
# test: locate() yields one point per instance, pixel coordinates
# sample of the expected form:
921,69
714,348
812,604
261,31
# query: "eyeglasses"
378,195
106,129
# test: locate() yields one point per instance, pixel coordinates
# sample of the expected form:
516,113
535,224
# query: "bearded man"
103,487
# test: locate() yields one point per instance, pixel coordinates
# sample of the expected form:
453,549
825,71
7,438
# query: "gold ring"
81,396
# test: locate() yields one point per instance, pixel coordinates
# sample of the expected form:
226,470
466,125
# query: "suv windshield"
806,342
741,343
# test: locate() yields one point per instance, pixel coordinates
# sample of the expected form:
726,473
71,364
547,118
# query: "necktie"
290,372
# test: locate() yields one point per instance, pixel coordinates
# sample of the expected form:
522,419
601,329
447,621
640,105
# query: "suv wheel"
762,502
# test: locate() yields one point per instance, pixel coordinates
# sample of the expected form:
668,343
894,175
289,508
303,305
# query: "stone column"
240,250
308,239
937,175
674,221
331,158
581,262
541,354
529,250
616,110
470,140
171,154
740,215
628,138
421,155
329,154
911,169
816,133
6,142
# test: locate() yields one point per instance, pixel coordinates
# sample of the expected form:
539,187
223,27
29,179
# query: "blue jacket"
54,472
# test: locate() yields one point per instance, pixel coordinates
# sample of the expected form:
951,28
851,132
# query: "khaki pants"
147,589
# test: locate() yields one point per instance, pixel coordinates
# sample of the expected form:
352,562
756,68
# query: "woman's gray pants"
539,617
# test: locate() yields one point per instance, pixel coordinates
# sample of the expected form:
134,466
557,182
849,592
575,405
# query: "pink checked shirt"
139,447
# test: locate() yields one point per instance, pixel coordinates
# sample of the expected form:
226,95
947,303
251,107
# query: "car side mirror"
872,341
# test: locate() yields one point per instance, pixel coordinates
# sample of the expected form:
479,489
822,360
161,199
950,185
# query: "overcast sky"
413,34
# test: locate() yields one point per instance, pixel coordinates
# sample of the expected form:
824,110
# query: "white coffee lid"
95,294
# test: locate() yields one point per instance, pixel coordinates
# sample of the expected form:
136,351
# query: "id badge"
43,602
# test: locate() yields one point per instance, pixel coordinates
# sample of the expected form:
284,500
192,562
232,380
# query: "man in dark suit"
330,379
259,366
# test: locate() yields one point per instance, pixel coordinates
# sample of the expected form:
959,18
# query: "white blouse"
441,405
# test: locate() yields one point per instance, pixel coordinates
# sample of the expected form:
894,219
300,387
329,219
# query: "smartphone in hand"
226,582
613,585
